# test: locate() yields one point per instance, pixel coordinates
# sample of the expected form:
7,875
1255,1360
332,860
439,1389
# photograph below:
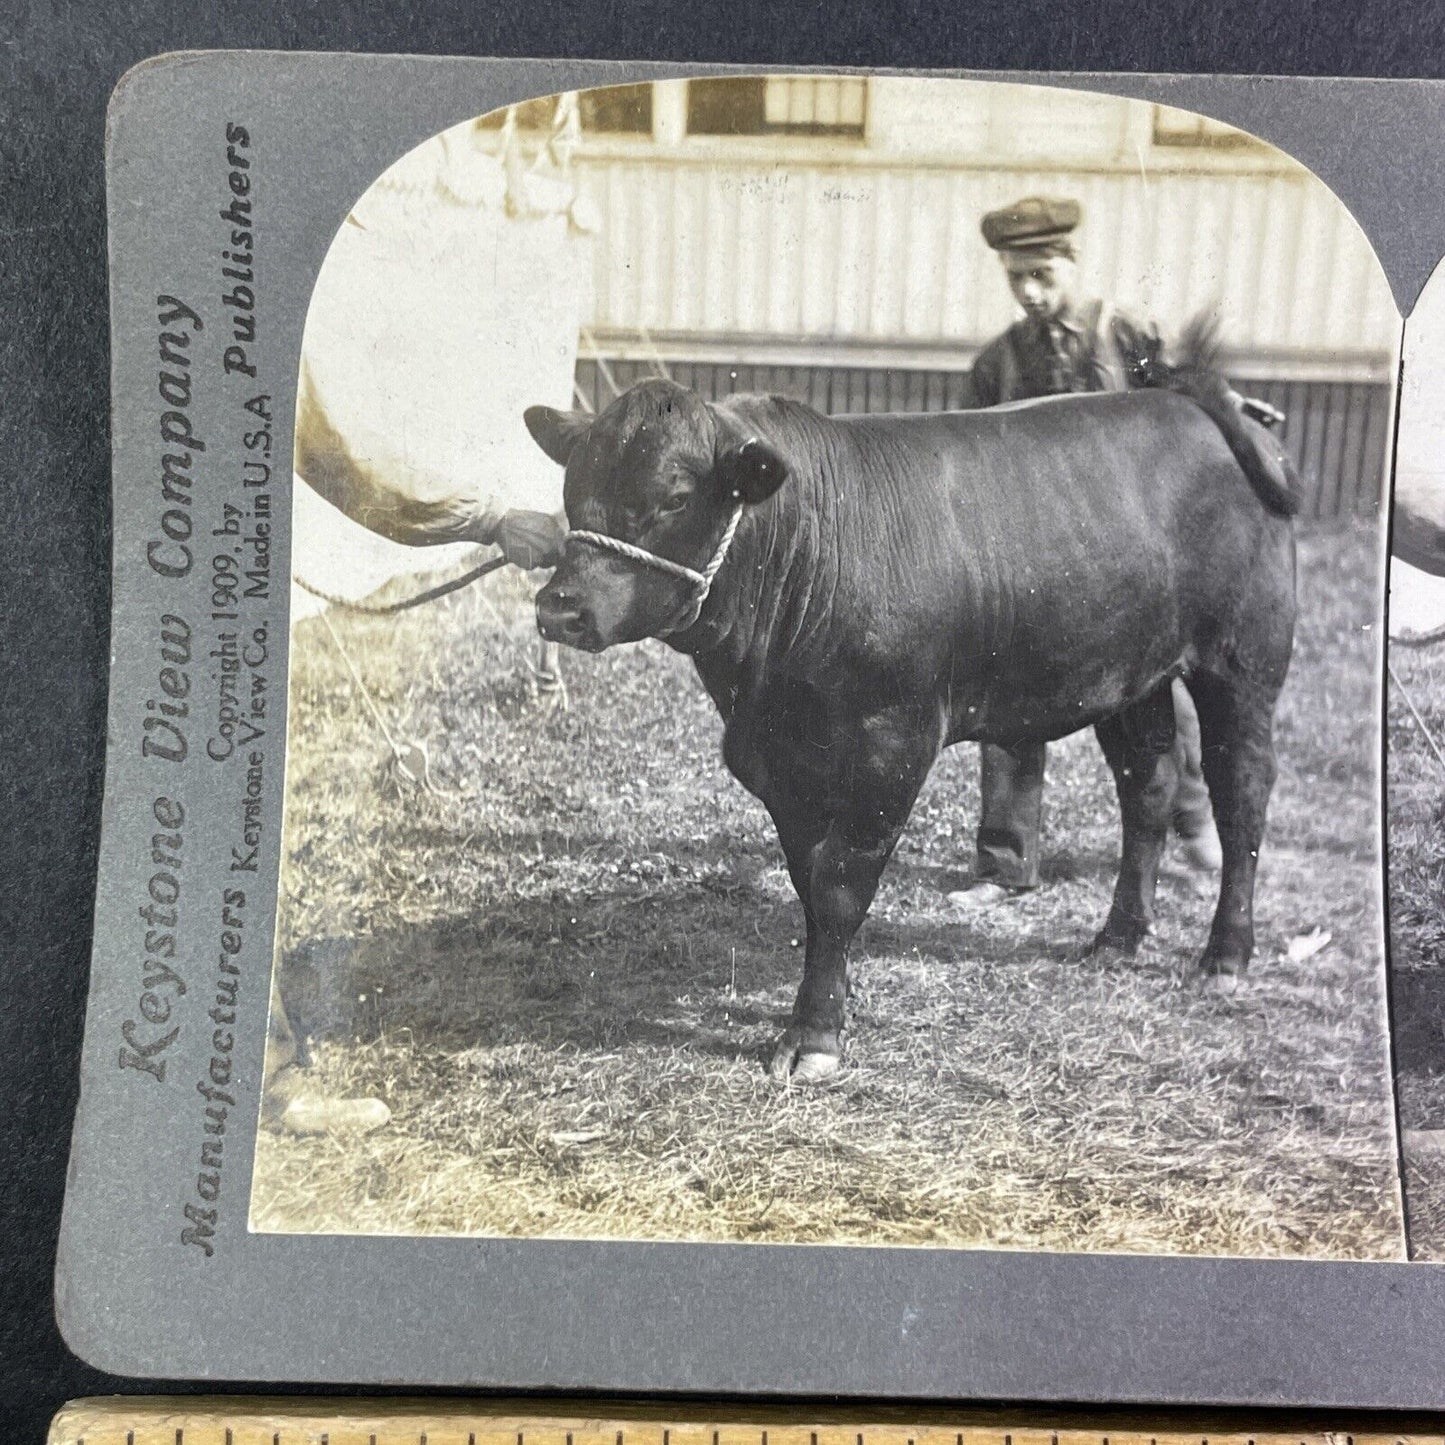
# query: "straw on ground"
561,968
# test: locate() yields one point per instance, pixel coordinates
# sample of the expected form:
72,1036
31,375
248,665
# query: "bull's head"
663,473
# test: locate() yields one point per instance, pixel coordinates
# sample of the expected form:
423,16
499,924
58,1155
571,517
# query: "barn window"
610,109
618,109
777,105
1188,128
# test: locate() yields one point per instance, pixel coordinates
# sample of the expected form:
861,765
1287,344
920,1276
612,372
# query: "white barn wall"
930,119
710,243
862,256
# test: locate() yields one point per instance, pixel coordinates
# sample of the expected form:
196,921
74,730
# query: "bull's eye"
673,505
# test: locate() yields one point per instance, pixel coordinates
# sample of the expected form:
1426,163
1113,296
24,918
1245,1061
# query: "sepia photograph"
1416,764
837,630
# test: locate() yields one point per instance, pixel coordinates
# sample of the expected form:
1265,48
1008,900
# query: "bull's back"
1126,455
1125,542
1069,493
1049,560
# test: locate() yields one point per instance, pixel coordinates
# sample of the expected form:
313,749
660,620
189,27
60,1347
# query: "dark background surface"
56,72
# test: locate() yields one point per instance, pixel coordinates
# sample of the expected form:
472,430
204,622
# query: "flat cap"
1032,223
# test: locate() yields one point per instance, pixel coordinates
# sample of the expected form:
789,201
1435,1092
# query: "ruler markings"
439,1422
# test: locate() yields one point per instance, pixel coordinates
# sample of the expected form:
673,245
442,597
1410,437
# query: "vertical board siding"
853,252
1335,431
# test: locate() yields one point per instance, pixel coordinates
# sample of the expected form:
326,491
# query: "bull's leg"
1011,814
847,865
1236,723
1139,746
836,862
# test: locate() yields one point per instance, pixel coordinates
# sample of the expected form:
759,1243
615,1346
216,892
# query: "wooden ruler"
137,1420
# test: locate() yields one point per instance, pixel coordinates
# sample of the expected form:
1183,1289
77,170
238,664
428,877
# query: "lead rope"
386,609
410,762
701,581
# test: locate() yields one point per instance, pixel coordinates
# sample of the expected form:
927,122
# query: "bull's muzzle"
561,617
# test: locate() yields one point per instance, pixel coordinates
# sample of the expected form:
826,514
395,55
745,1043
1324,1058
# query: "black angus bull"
888,585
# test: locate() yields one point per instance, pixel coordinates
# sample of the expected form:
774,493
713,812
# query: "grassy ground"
561,970
1417,935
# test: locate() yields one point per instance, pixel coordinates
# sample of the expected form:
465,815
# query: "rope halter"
701,582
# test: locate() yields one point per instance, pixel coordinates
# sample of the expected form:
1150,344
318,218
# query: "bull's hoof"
1222,968
1225,982
799,1058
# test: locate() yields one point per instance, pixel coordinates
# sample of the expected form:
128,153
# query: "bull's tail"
1196,374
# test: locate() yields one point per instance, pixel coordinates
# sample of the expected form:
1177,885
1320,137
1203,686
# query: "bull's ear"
557,432
750,473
